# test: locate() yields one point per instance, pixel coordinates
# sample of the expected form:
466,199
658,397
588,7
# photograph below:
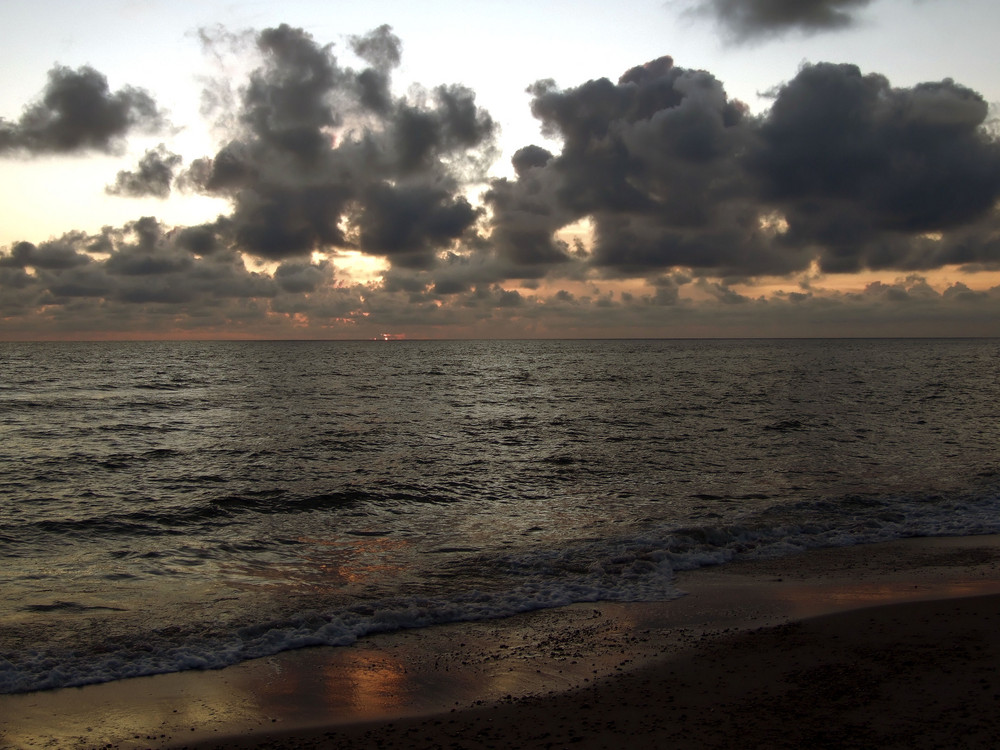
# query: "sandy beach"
889,645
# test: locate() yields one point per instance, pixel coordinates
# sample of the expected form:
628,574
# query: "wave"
641,567
182,515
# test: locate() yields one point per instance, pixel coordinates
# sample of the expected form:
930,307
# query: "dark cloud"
152,176
722,293
139,263
447,126
77,111
286,105
382,50
277,220
325,157
200,240
148,255
748,19
409,224
863,171
88,281
844,169
655,161
671,173
961,292
509,298
53,255
144,277
529,157
526,215
301,278
659,180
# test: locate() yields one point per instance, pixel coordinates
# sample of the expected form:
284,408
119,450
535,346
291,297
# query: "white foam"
632,569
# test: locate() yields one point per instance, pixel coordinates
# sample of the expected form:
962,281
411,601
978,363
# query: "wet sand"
891,645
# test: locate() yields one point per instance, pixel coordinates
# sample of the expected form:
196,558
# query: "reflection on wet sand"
361,683
300,688
373,685
142,712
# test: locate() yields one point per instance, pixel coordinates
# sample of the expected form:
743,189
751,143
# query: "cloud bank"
666,205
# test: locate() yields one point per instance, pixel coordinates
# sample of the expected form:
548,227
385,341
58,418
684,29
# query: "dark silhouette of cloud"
657,162
843,169
302,278
529,157
152,177
53,255
743,20
862,170
142,263
77,111
683,192
324,155
407,225
382,50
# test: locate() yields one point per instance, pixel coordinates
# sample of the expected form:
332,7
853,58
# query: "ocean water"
171,506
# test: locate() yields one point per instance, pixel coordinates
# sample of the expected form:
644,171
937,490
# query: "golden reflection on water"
325,562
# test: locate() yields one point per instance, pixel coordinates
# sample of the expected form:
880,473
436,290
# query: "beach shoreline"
780,651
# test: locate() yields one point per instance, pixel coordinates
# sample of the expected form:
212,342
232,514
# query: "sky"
670,168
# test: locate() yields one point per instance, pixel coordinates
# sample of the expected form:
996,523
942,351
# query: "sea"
168,506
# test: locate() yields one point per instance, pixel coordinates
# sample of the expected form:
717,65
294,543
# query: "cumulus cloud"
302,278
324,156
664,201
77,111
865,173
140,263
152,177
52,255
382,50
656,161
844,170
